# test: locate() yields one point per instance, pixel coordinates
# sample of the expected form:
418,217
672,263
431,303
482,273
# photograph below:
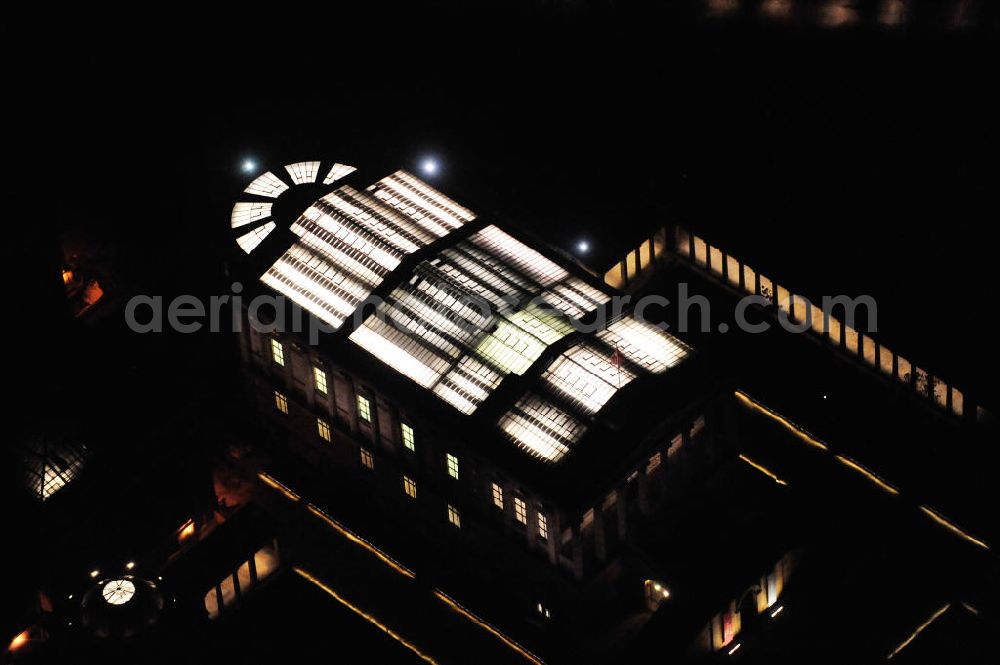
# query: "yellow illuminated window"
319,376
497,496
452,466
409,487
324,429
277,352
408,440
543,527
364,409
366,459
453,516
281,402
520,510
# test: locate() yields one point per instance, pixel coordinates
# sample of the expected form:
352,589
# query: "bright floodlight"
249,166
583,247
429,166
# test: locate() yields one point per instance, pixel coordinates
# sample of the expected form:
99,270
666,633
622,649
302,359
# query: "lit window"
520,510
366,459
452,466
543,527
281,402
409,487
324,429
277,352
453,516
543,611
364,409
408,441
497,496
319,376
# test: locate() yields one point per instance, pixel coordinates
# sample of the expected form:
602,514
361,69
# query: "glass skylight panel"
394,348
267,184
249,241
515,254
586,376
465,320
542,429
574,297
645,344
378,218
421,202
337,172
303,172
49,466
315,284
468,384
246,212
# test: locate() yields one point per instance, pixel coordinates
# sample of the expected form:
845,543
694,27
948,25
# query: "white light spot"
429,166
583,247
249,166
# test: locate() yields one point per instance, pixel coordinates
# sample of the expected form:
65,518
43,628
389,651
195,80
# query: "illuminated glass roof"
471,315
303,172
249,241
462,318
337,172
256,215
350,241
118,592
267,184
582,380
245,212
50,464
541,428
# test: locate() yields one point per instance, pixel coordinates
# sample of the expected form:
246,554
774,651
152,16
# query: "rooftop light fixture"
429,166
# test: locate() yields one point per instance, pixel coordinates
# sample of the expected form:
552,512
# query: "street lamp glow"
429,166
249,166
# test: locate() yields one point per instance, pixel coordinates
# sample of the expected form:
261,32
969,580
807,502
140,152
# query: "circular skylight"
118,592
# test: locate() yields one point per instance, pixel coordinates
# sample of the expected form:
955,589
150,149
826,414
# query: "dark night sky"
857,162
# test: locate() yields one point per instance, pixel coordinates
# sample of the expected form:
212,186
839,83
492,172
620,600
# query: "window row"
741,276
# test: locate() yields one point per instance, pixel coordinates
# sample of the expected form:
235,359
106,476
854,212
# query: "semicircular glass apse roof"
253,218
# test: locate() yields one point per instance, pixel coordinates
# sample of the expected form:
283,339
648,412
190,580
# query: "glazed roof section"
482,306
350,240
481,309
